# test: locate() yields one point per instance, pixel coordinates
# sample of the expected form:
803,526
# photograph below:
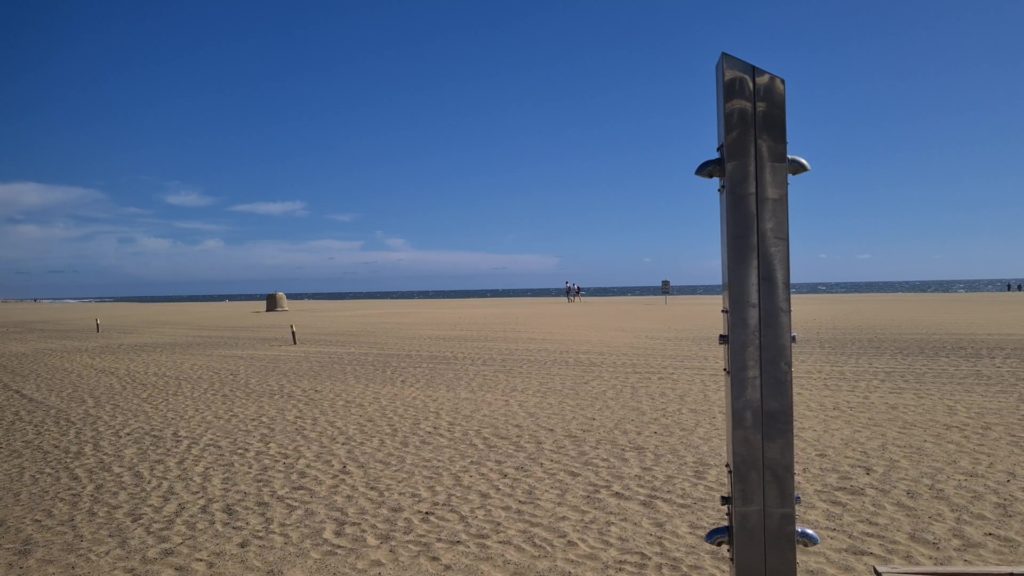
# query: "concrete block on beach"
277,302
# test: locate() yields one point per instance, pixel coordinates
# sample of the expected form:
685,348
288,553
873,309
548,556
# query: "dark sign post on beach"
753,169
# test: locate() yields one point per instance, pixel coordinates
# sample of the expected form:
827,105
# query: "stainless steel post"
753,167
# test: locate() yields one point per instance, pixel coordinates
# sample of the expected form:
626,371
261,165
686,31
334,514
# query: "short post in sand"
666,289
97,325
753,169
295,340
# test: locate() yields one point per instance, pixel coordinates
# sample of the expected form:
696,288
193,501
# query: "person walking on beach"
579,292
568,292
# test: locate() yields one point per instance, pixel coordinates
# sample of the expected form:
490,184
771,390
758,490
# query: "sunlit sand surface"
522,436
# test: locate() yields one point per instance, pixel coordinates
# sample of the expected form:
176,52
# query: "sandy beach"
515,436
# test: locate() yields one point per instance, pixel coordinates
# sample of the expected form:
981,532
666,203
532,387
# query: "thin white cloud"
46,227
184,224
22,198
336,244
292,208
392,242
343,217
822,256
646,259
863,256
193,225
43,232
396,243
211,244
189,199
135,255
34,237
153,244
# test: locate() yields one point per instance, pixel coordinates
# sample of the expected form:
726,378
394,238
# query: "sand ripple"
491,437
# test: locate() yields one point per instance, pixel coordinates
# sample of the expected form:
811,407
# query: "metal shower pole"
753,168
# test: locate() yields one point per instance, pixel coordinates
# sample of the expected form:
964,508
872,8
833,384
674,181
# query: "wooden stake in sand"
97,325
295,340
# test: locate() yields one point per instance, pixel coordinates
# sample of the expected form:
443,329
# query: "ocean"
892,287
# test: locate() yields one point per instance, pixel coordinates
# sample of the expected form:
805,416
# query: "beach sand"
518,436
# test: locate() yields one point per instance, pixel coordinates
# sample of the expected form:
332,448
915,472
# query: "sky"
213,147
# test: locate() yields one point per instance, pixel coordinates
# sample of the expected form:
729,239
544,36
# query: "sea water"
892,287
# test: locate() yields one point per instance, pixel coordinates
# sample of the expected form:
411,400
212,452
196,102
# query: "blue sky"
198,147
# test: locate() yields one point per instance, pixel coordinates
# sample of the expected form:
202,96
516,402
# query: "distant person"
1019,287
568,292
579,292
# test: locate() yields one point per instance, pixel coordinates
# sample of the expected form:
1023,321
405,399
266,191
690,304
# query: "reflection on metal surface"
807,537
718,536
797,165
710,168
737,147
776,371
753,167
